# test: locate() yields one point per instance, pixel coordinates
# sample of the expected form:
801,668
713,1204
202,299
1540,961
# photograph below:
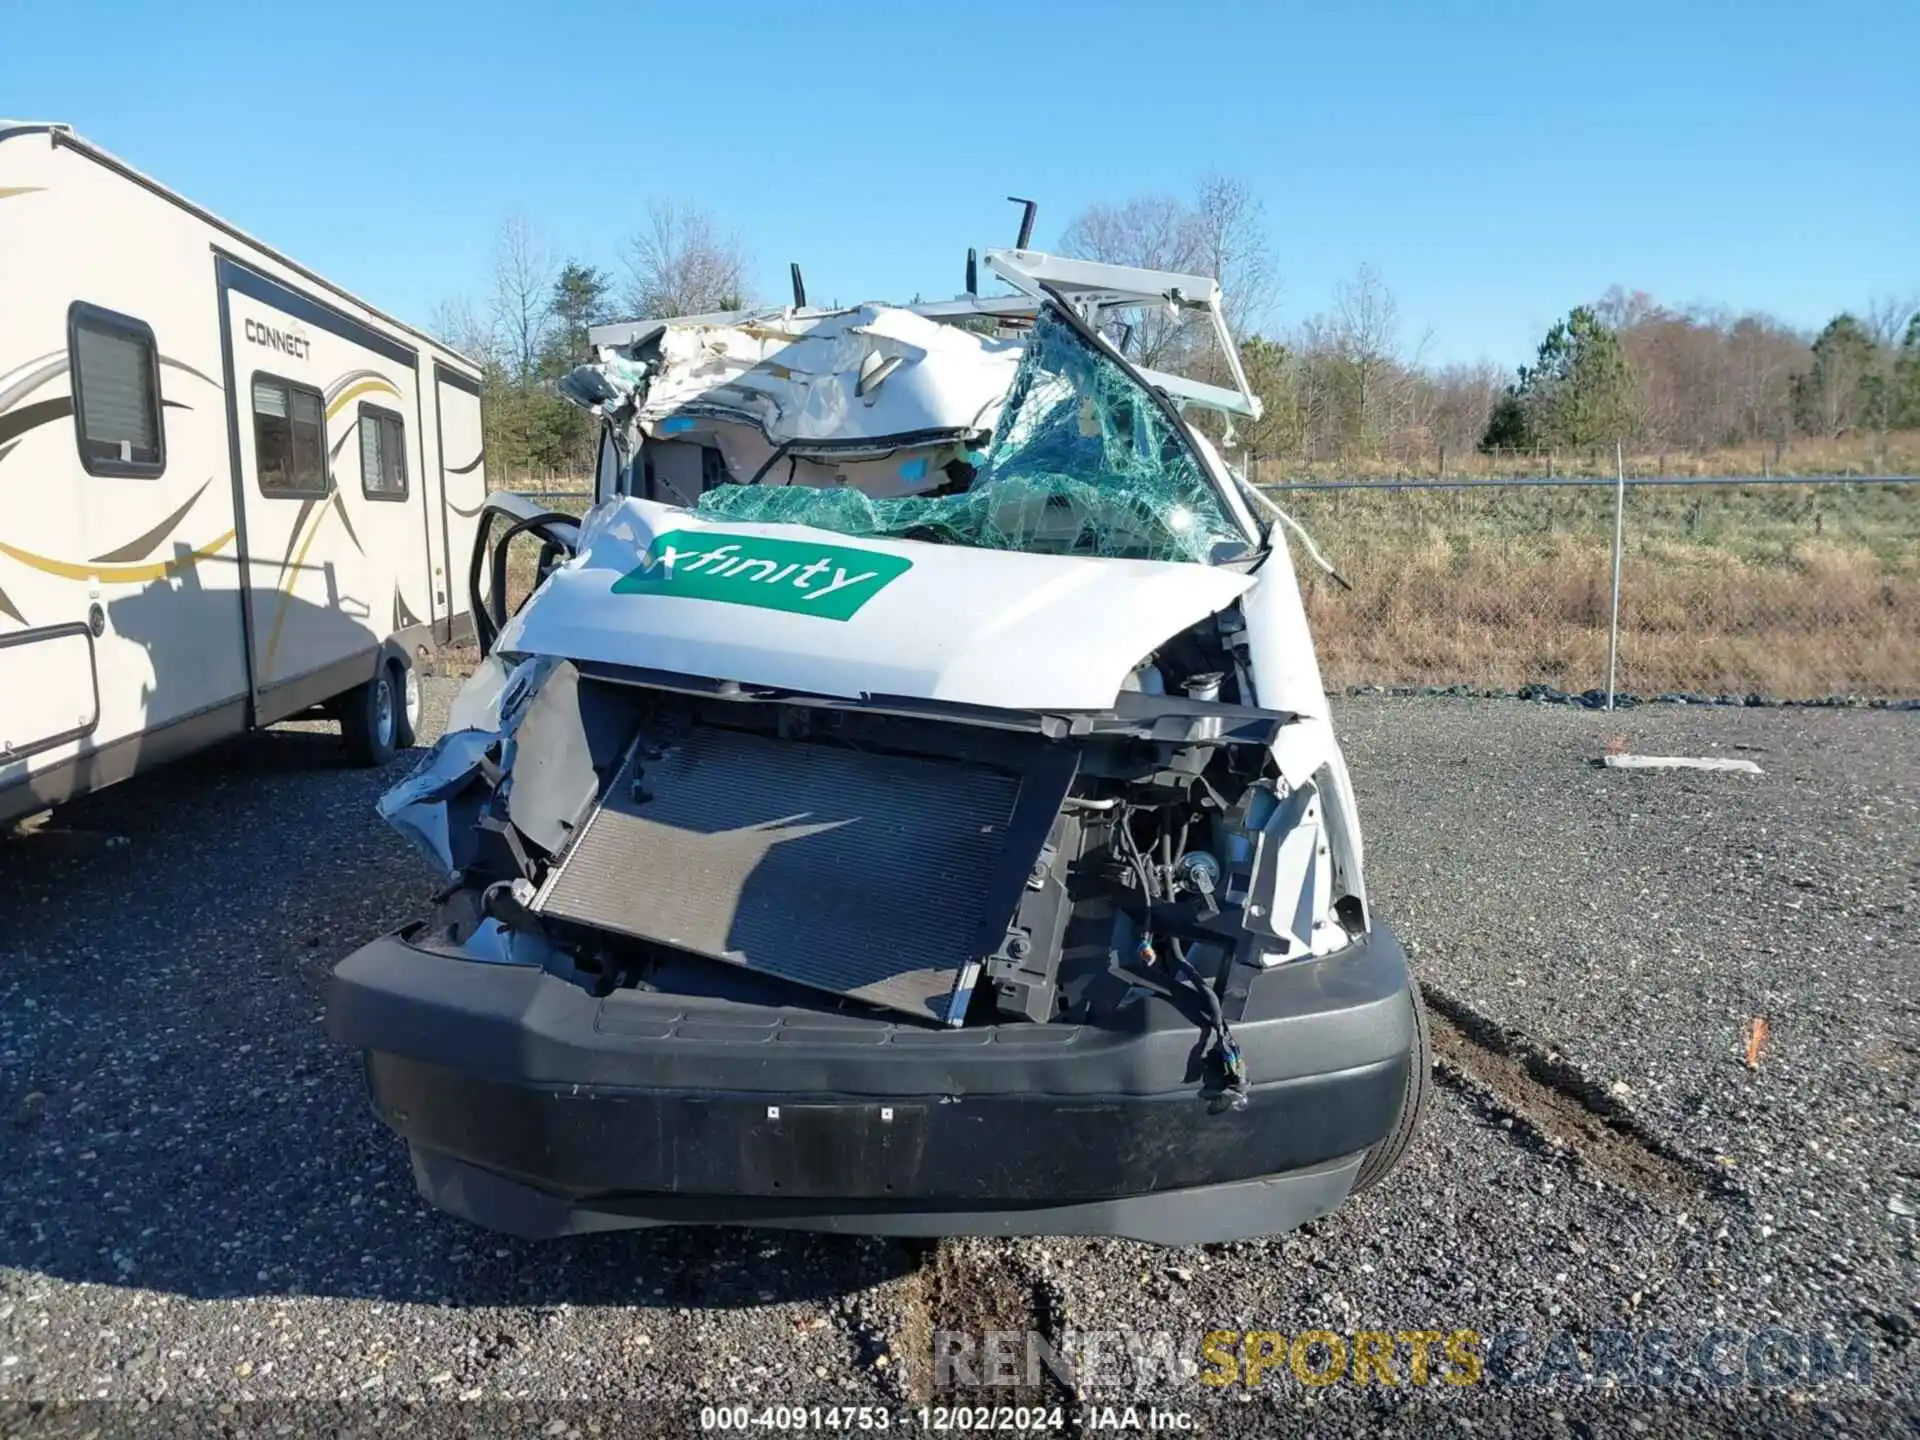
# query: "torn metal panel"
873,372
1289,891
562,737
419,806
438,804
884,420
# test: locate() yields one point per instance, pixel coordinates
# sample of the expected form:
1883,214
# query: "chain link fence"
1800,590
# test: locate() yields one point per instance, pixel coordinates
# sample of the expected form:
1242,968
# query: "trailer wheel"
1413,1104
408,678
370,719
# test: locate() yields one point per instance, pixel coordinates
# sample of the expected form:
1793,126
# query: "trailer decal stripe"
340,504
26,365
31,417
54,362
118,574
288,575
7,192
293,535
51,364
354,392
142,546
346,378
471,465
182,365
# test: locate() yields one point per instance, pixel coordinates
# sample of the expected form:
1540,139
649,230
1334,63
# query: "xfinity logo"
287,342
829,581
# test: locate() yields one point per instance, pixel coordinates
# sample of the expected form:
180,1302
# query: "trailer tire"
1413,1105
370,718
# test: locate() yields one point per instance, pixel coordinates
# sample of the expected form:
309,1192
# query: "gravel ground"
198,1209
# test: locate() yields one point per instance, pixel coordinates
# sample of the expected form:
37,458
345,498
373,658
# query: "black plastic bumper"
535,1108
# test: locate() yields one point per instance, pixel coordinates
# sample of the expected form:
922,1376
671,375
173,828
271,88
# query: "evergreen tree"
1905,401
580,301
1270,370
1844,390
1507,427
1578,392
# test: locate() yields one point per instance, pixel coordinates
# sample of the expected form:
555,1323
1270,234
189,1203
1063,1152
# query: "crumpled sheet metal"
799,380
484,715
1084,462
417,806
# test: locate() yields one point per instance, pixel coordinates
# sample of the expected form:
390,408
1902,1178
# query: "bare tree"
1221,233
1317,387
467,330
681,264
1152,232
1364,331
1619,309
1764,356
1886,318
1231,244
1451,406
523,274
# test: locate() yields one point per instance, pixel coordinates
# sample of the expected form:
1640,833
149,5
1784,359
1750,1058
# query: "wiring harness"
1225,1050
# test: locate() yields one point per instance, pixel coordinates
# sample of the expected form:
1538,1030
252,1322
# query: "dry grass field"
1893,453
1790,591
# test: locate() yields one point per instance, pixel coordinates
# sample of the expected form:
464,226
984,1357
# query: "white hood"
798,608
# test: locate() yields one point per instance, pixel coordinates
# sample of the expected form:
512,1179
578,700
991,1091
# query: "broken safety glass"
1083,462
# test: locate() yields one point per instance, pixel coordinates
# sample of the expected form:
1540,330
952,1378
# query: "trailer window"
289,437
383,454
116,392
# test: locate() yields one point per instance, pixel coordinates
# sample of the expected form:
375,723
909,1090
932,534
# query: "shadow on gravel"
172,1116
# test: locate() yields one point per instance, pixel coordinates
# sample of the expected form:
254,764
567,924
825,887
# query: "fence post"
1619,525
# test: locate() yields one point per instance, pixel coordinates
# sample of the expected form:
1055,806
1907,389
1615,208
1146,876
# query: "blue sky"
1497,163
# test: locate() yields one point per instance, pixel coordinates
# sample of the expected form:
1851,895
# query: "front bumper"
535,1108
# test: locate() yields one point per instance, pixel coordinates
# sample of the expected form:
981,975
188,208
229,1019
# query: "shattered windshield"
1083,462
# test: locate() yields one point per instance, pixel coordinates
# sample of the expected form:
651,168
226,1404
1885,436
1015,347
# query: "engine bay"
887,858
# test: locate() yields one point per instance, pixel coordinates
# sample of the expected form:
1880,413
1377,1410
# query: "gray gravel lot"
197,1206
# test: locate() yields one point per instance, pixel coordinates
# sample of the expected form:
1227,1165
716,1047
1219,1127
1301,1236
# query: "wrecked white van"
907,805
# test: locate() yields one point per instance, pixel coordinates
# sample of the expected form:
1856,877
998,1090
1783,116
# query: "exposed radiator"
859,873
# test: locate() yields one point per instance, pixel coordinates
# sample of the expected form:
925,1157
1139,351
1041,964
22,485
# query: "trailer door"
336,550
463,481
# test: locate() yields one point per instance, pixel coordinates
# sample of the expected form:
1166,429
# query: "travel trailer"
230,492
